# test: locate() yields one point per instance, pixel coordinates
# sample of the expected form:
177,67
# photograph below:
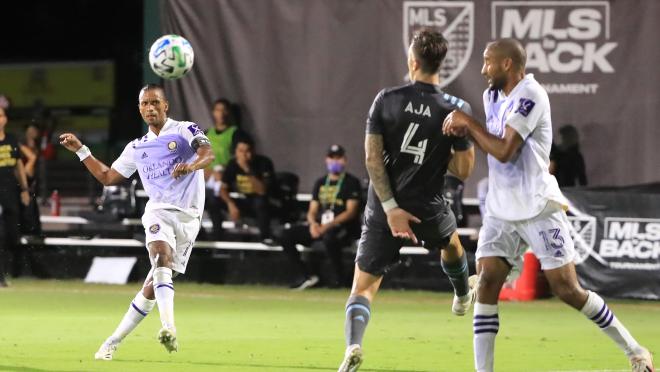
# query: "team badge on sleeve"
154,228
526,106
195,130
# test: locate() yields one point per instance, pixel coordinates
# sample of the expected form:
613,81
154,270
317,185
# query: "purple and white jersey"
521,188
154,157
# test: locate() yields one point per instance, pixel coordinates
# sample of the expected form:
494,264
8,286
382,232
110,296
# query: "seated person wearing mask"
332,217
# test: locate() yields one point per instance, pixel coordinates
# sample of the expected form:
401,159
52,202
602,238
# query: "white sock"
486,323
164,289
138,310
597,310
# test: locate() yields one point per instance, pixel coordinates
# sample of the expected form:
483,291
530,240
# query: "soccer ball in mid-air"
171,56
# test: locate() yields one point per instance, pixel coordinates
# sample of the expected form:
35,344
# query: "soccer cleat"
352,359
105,351
642,361
462,304
308,283
167,338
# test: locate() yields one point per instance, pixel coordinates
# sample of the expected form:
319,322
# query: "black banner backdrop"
306,72
617,237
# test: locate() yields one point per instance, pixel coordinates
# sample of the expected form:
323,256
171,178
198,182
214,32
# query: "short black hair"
569,135
223,101
429,48
152,86
242,137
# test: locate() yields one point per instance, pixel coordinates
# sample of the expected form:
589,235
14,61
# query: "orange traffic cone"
530,285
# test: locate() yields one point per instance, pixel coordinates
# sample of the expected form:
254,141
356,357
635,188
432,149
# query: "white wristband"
389,204
83,153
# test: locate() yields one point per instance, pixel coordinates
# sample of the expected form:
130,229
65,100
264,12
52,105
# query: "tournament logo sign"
454,19
570,40
626,243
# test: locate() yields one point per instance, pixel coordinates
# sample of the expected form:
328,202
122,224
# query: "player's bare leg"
139,308
564,284
454,263
365,287
163,287
492,273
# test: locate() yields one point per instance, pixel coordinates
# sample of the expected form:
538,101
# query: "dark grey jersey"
416,153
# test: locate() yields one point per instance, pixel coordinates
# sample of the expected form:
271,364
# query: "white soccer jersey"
154,157
521,188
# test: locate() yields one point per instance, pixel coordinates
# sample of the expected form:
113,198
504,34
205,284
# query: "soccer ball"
171,56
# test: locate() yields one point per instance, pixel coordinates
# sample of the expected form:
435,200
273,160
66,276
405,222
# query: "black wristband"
462,144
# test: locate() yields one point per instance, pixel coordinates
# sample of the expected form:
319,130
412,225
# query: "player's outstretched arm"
104,174
397,218
503,149
462,163
204,158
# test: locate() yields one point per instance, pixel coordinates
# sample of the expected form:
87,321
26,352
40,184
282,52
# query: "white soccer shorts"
546,234
176,228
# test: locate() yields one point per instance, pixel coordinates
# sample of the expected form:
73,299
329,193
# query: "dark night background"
82,30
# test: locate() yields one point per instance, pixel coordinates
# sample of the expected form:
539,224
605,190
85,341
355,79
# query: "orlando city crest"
172,146
154,228
454,19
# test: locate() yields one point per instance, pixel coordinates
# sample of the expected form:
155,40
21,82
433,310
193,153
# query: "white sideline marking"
73,220
239,246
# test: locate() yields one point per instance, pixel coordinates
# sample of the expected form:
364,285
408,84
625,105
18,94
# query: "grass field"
58,325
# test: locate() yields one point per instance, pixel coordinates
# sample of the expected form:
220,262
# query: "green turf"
58,325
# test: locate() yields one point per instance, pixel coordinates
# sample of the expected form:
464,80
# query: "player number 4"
418,150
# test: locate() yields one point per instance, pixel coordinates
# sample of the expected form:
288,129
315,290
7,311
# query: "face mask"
335,167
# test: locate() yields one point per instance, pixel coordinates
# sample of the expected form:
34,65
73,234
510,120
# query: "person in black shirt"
12,179
252,176
332,217
407,157
30,155
566,160
223,136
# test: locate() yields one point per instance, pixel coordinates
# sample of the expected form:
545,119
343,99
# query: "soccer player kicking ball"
169,160
524,206
407,158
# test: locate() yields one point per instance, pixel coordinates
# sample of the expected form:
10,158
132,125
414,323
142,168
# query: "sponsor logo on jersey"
626,243
454,19
560,37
